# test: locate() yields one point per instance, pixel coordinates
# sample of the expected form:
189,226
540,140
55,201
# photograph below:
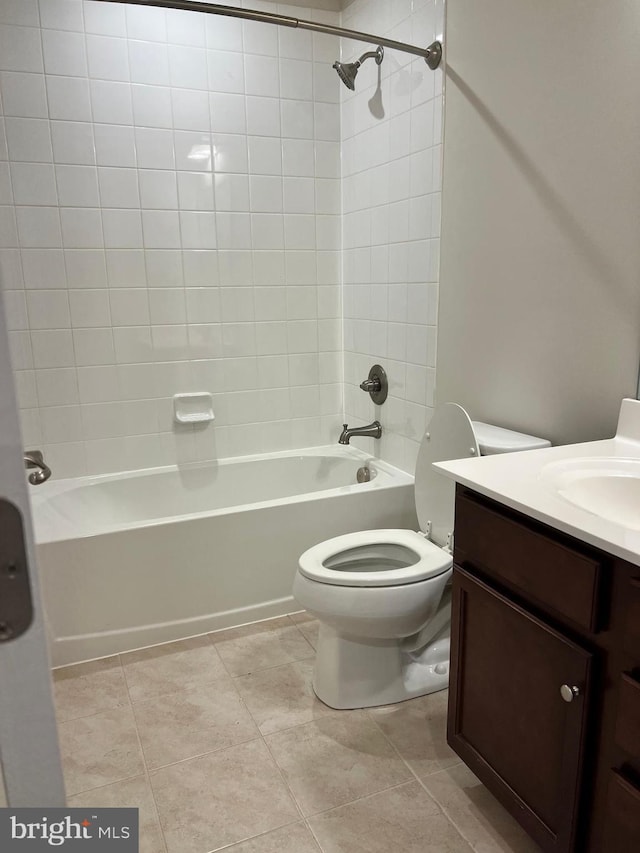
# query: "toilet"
382,597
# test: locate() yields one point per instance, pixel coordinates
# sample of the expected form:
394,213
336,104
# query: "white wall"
169,222
391,204
539,325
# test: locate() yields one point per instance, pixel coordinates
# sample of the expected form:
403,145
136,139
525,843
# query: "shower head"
347,73
347,70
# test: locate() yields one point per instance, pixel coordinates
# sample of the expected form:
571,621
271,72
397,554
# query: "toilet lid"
449,435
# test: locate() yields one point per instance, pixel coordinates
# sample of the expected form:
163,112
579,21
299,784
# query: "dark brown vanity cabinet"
510,719
544,699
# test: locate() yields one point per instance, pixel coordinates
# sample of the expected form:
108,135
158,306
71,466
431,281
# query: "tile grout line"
212,634
253,837
144,759
314,836
209,637
93,714
284,778
202,754
384,791
297,625
359,799
417,776
374,794
423,786
298,725
274,666
225,678
108,710
107,785
306,818
445,811
393,746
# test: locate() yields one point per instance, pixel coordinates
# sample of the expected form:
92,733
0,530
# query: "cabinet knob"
569,693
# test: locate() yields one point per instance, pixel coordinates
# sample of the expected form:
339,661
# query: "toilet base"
362,673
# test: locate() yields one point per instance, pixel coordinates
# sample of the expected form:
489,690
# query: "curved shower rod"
431,54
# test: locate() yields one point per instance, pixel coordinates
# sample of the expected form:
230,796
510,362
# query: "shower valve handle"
376,384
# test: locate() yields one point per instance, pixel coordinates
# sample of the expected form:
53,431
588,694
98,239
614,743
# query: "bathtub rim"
58,528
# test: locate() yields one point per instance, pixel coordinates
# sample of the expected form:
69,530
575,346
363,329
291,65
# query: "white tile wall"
391,150
169,221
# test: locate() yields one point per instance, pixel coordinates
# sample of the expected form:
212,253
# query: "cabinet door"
622,824
507,718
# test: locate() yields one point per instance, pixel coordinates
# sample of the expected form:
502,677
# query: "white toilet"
381,595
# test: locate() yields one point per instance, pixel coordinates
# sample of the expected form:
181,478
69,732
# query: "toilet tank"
492,439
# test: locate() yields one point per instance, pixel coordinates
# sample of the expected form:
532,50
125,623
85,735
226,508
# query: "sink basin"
606,487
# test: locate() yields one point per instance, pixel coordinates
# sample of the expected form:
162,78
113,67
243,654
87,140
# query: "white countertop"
521,481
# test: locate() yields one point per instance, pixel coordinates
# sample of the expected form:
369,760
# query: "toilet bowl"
382,596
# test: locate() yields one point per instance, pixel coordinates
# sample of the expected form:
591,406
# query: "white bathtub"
134,559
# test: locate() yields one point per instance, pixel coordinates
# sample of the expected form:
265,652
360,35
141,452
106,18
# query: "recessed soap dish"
194,408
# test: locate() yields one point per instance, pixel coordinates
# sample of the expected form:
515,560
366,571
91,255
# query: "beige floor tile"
261,645
486,825
418,730
133,793
335,760
89,688
182,725
100,749
282,697
289,839
404,819
308,626
221,798
172,667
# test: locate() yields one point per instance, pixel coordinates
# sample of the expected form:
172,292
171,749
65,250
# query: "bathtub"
130,560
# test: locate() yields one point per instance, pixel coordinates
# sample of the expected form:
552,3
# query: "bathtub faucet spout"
373,430
34,459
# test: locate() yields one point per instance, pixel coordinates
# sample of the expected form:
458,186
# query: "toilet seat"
379,558
374,558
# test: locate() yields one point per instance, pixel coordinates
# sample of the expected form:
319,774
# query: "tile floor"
221,743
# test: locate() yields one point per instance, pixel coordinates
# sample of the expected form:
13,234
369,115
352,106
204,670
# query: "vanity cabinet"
544,699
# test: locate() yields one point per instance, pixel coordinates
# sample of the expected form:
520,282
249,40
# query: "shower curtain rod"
431,54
